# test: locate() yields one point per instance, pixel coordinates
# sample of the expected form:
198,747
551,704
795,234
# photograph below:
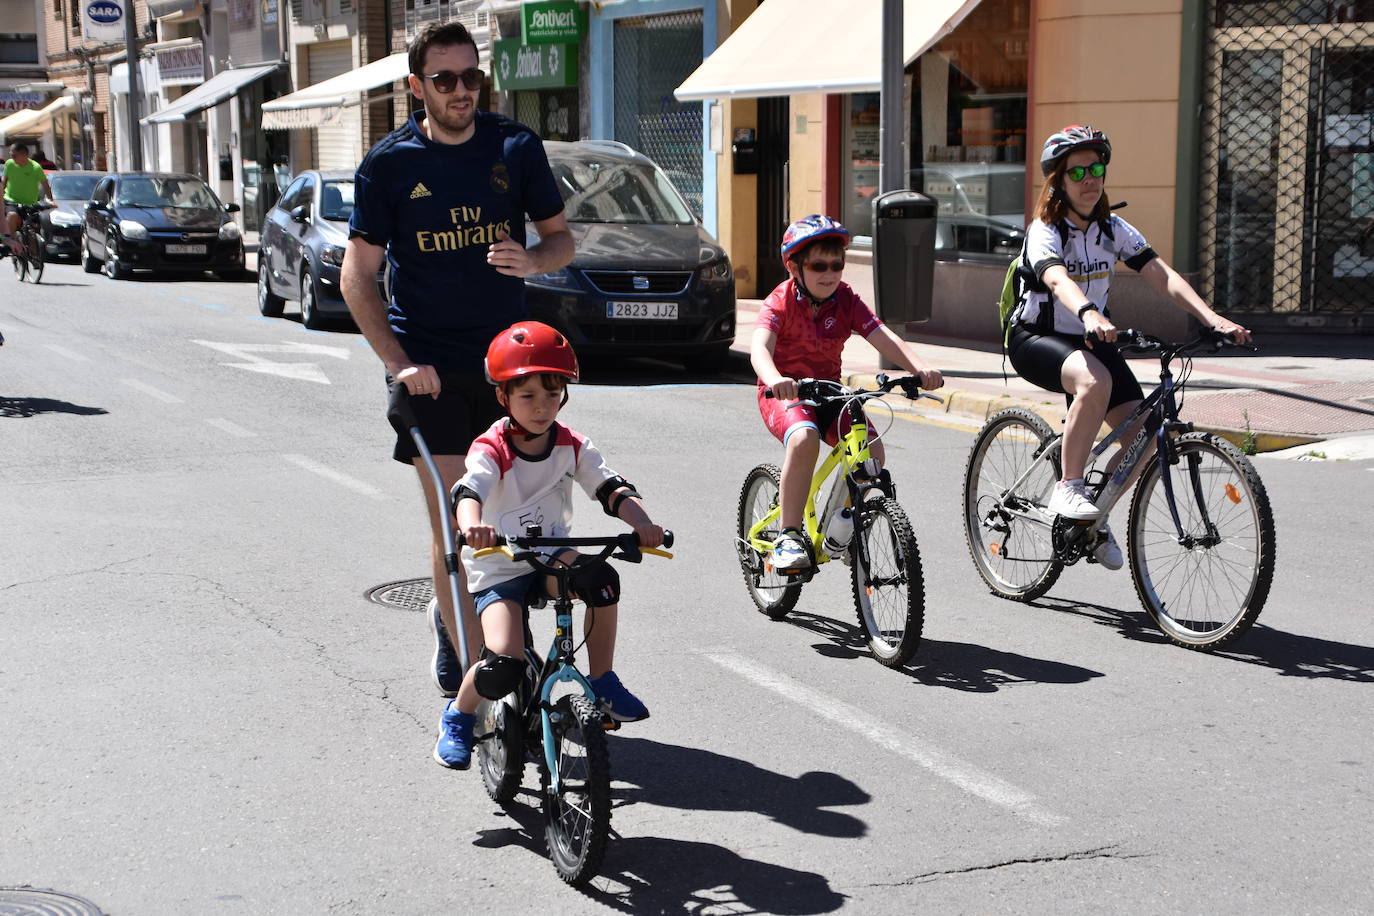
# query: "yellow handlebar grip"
488,551
656,552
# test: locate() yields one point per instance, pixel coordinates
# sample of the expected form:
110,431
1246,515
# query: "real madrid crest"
500,178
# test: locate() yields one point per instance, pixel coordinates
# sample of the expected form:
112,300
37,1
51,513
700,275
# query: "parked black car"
302,247
159,221
62,224
647,278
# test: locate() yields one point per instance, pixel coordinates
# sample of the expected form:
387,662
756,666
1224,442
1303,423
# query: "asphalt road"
200,713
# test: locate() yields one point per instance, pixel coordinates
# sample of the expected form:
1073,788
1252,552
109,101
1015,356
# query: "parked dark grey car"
302,247
165,222
647,278
62,224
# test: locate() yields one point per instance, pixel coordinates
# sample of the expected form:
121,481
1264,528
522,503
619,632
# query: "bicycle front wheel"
21,264
771,591
1206,588
1009,530
578,817
34,253
889,590
500,753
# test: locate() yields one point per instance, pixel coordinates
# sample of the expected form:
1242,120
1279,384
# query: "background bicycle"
28,260
1200,533
885,564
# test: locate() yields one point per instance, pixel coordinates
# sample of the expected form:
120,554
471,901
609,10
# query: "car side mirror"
231,208
301,214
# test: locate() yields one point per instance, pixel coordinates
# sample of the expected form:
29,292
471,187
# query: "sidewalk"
1296,390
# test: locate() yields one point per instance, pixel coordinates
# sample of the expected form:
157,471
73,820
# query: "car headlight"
229,231
332,254
557,279
132,229
65,219
716,273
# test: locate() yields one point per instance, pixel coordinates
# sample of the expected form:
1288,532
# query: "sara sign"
552,22
519,66
103,20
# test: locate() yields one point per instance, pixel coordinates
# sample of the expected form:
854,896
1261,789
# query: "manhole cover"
407,594
26,901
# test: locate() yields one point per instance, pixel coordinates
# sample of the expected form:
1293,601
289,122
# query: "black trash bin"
903,256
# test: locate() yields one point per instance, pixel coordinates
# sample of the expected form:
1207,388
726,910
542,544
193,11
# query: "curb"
980,406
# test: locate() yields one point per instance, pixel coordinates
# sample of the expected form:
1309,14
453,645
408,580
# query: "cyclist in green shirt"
20,184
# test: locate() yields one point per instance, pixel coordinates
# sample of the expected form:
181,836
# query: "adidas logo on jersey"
420,191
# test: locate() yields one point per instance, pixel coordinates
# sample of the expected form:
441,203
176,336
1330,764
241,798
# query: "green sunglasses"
1079,172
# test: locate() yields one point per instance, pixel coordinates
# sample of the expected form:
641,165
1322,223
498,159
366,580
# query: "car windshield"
604,190
73,187
336,201
175,193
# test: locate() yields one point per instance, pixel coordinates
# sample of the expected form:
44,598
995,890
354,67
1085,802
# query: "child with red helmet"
520,472
801,331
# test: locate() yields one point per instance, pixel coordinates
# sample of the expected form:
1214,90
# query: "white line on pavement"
946,766
147,389
338,477
232,429
69,354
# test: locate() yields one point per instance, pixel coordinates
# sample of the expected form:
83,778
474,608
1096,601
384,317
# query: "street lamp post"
131,59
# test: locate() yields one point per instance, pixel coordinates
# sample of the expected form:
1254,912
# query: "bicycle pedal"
610,725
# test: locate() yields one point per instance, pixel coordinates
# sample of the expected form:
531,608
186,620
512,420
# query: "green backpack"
1013,289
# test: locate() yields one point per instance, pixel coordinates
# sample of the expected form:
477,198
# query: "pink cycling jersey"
809,344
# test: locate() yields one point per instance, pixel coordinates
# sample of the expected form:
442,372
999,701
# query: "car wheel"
88,261
113,269
269,303
310,304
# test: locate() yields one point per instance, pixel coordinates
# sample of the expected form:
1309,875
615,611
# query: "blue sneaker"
446,669
616,701
454,747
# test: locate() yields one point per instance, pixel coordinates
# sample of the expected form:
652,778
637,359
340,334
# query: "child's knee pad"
597,584
498,675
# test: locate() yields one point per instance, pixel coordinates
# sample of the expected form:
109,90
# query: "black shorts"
465,408
1039,359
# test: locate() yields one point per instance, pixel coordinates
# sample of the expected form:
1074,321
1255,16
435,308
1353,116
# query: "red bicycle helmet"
809,229
529,348
1073,137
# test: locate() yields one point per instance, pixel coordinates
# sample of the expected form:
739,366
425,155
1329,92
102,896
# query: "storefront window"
551,113
968,132
860,162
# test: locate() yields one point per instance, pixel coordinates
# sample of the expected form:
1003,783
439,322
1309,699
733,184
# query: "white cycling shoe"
1071,501
1108,551
789,553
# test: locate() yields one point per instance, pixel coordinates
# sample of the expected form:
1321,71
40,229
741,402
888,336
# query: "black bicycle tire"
1265,552
34,248
906,645
1043,582
786,600
501,756
577,862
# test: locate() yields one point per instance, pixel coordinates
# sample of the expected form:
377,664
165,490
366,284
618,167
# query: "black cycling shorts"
465,408
1039,359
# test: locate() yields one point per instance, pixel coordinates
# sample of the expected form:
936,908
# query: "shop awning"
310,107
34,119
791,47
161,9
221,86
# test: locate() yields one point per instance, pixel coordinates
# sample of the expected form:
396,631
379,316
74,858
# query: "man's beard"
453,123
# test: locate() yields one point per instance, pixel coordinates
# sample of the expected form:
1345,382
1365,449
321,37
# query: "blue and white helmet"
1074,137
809,229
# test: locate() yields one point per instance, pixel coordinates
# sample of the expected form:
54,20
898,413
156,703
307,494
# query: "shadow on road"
32,407
956,665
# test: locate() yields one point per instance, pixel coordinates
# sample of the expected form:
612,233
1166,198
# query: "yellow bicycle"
885,565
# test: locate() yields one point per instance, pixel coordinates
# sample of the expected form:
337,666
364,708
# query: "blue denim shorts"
517,590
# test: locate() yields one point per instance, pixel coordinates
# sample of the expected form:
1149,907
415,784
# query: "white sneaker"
1108,551
1071,501
789,552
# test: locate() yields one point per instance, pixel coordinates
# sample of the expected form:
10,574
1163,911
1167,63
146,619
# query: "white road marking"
255,362
69,354
964,775
232,429
338,477
147,389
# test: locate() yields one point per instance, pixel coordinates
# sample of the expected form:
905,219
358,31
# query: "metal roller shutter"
337,146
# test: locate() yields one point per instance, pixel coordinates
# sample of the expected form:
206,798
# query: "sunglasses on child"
822,267
1079,172
446,80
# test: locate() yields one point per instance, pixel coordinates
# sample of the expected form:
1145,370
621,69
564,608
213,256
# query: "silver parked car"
302,247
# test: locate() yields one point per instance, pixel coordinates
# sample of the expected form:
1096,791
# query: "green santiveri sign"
552,22
519,66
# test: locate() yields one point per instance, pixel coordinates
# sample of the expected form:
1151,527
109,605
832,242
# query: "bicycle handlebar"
621,546
1206,339
820,389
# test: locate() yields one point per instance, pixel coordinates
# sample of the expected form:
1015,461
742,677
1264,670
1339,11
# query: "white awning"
34,119
795,47
221,86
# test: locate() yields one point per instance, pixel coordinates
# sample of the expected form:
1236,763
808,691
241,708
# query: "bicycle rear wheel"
20,262
1207,589
1009,533
773,594
889,590
33,246
578,818
500,754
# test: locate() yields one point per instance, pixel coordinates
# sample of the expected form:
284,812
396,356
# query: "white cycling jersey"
1089,255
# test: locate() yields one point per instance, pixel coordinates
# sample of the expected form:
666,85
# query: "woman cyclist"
1062,338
